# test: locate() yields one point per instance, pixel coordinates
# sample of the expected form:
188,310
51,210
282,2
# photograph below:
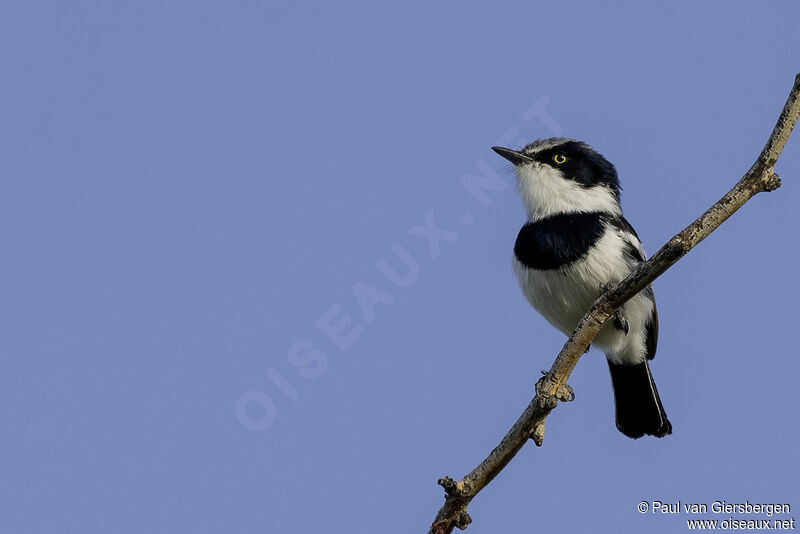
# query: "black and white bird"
575,242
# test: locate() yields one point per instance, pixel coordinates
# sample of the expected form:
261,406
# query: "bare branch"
552,387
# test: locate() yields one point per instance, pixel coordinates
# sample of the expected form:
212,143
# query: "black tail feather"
639,409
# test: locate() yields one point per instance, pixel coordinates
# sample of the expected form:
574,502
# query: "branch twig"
552,387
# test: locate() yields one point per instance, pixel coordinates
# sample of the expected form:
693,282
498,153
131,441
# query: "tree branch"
552,387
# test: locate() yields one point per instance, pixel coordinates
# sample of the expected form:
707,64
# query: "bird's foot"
621,323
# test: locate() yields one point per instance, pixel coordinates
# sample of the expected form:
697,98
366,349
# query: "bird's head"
560,175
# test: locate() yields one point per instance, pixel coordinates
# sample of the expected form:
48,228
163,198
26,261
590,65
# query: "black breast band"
558,240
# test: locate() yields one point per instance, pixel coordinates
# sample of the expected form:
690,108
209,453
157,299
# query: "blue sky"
190,189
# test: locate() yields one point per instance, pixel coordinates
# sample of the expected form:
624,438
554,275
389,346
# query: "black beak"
517,158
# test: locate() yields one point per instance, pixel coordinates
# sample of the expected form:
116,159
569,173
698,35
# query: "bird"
575,243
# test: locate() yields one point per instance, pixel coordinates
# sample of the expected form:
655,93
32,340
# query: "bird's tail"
639,409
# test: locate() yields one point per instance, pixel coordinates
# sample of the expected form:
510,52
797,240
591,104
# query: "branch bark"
552,387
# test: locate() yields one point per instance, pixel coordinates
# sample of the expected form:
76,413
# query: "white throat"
546,192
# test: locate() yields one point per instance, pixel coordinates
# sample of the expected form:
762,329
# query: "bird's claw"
621,323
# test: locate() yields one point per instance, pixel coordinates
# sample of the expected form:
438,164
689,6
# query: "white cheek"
546,192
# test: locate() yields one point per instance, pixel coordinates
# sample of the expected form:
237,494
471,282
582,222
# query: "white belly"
562,296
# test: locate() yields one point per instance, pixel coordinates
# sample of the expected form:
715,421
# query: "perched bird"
575,242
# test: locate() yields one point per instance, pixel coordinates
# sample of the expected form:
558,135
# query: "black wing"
651,339
635,252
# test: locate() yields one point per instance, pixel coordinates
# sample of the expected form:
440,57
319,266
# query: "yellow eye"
559,158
